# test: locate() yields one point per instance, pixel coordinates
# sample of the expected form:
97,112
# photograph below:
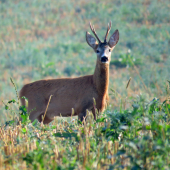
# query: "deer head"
102,49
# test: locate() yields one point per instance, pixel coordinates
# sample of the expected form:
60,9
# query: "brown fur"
68,93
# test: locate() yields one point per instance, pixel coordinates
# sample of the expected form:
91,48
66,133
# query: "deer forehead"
103,46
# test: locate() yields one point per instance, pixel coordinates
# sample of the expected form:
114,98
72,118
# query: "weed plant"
137,138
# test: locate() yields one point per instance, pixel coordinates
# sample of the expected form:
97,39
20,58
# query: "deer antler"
94,32
108,30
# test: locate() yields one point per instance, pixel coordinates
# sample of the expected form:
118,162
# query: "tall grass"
137,138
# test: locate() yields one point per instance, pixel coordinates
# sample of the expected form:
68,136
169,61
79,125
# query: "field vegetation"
42,39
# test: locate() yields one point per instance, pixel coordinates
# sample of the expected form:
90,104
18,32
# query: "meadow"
42,39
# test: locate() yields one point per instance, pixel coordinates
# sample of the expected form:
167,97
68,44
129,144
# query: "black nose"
104,59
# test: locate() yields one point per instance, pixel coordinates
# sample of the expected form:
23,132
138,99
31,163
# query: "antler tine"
94,32
108,30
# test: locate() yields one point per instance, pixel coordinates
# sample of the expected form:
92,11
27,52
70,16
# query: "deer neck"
101,78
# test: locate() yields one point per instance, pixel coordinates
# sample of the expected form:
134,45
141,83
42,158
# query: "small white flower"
129,51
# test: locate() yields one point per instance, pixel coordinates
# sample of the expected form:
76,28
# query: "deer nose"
104,59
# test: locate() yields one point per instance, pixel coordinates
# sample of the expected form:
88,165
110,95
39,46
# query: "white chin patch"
106,62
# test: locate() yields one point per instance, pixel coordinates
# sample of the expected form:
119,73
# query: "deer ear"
91,40
114,39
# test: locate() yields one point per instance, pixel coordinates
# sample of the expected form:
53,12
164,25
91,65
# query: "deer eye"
97,51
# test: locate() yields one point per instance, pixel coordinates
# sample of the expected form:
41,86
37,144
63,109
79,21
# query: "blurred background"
46,39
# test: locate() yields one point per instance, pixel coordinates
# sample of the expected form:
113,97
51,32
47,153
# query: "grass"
126,139
46,39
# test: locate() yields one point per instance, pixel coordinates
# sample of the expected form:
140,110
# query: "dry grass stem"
47,108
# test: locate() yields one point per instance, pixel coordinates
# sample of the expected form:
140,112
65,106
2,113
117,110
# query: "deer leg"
46,119
94,113
82,116
33,115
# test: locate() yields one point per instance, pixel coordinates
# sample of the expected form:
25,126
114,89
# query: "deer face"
103,52
103,49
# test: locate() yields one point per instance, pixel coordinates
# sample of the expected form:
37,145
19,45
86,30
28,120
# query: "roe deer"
76,93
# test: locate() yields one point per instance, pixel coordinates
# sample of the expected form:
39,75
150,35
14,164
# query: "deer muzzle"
104,59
